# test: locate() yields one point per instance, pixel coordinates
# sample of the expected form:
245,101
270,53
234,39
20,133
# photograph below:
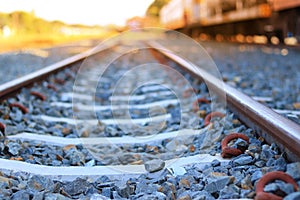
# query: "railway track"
124,122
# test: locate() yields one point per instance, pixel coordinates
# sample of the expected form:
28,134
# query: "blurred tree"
24,23
155,7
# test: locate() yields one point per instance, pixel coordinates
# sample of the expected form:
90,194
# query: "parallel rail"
12,87
271,125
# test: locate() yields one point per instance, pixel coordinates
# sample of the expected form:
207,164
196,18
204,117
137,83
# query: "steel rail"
269,124
12,87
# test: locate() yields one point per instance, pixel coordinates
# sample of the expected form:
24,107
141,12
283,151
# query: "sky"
89,12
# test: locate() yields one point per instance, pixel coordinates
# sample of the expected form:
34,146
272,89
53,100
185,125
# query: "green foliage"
23,23
27,23
154,9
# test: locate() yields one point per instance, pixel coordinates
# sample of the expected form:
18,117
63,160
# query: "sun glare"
88,12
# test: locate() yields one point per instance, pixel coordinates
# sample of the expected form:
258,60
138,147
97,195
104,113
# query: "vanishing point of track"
271,126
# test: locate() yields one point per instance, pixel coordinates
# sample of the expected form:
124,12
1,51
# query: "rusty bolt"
199,100
20,106
211,115
38,95
188,92
2,128
60,81
269,177
228,152
49,86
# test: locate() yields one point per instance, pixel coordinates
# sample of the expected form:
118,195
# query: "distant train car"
172,15
280,18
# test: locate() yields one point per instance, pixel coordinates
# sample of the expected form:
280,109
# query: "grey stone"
5,197
4,182
38,196
98,197
185,181
142,187
105,184
106,192
154,165
293,169
55,196
280,186
18,116
280,164
126,158
246,182
229,192
40,183
207,171
158,177
254,148
274,148
90,190
2,146
195,173
116,195
244,193
255,176
177,171
260,163
77,186
65,98
22,185
90,163
21,195
221,169
176,145
210,138
76,157
184,197
216,184
111,131
202,195
238,175
292,196
266,154
240,144
14,148
215,163
102,179
155,195
242,160
168,189
287,188
197,187
123,189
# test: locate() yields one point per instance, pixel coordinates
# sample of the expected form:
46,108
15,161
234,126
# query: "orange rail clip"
38,95
20,106
210,115
228,152
269,177
2,128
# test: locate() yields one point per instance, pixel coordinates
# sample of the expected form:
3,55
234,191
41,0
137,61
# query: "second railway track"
133,123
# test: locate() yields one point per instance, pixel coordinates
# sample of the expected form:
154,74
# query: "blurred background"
33,23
